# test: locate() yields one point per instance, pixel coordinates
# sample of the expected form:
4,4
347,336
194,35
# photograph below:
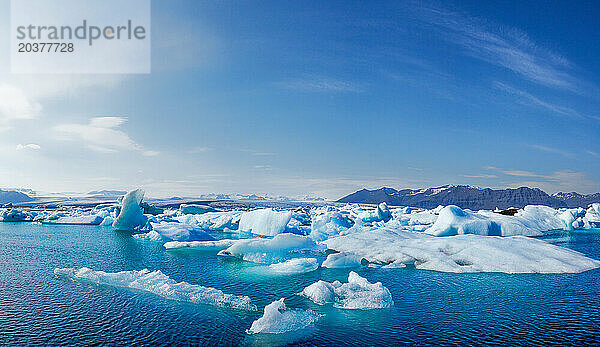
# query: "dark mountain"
577,200
469,197
11,196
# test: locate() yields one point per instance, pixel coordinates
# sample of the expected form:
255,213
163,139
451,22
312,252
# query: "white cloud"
535,101
553,150
506,47
14,104
558,181
258,153
592,153
322,85
199,150
150,153
31,146
102,135
480,176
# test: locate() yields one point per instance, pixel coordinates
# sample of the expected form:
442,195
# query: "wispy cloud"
15,104
196,150
258,153
480,176
517,173
592,153
564,180
321,85
535,101
29,146
102,134
506,47
553,150
263,167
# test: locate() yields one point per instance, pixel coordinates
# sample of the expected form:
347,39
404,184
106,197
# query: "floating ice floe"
357,294
195,209
79,220
265,222
174,231
278,319
269,251
381,213
328,222
531,221
342,260
216,245
14,215
131,215
461,253
295,266
160,284
214,221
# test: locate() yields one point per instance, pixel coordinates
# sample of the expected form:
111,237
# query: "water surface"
430,307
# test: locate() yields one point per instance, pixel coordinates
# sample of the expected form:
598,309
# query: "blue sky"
321,98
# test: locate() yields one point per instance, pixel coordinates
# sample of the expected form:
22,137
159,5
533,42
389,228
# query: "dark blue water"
430,307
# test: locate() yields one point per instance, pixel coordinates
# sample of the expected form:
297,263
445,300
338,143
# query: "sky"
321,98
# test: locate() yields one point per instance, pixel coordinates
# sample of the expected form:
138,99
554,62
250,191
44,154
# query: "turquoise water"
430,307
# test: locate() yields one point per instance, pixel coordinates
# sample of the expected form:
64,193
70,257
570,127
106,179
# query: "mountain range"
11,196
470,197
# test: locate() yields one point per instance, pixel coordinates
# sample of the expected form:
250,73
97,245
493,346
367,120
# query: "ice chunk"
531,221
149,236
342,260
160,284
215,221
201,245
268,251
329,222
180,232
265,222
295,266
591,218
131,216
107,221
357,294
195,209
462,253
320,292
381,213
277,319
14,215
80,220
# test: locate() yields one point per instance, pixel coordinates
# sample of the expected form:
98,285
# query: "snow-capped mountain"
474,198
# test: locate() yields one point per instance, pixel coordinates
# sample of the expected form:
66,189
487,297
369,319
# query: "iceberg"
461,253
14,215
213,221
216,245
265,222
275,250
160,284
328,222
531,221
357,294
295,266
78,220
381,213
107,221
131,216
342,260
278,319
195,209
175,231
